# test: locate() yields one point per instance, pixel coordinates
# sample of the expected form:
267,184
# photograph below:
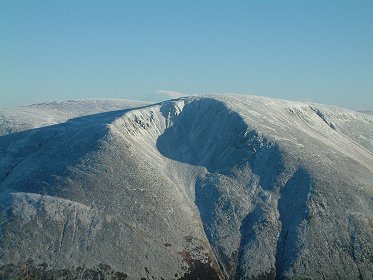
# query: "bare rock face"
223,187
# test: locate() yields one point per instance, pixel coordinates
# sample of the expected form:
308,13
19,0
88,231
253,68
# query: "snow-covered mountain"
218,187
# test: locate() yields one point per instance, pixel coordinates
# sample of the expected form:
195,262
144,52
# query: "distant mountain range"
216,187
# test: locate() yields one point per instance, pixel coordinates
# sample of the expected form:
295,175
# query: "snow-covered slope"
37,115
223,187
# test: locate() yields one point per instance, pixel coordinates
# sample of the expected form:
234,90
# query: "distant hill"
367,112
218,187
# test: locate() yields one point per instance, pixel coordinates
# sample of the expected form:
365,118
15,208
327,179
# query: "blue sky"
318,51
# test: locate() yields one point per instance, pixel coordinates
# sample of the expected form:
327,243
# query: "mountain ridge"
205,183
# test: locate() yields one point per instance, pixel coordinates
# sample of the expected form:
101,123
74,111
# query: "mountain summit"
218,187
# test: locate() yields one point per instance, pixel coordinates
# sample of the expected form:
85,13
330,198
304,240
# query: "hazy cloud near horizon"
161,93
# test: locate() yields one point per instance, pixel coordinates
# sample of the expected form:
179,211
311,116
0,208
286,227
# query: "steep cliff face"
225,187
